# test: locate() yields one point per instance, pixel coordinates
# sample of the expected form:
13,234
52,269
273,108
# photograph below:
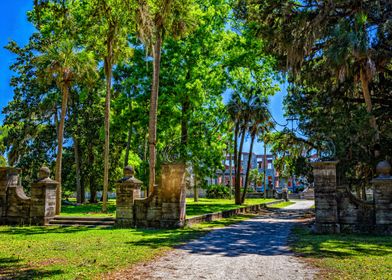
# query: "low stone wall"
228,213
18,209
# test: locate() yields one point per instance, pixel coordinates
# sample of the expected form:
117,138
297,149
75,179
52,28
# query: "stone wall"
17,208
165,206
338,210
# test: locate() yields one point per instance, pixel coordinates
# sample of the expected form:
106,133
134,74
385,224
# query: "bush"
218,191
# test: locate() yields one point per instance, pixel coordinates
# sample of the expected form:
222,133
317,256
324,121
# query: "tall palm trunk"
238,175
368,102
236,131
184,126
129,138
196,190
248,167
231,174
108,75
60,140
265,170
152,126
77,165
79,196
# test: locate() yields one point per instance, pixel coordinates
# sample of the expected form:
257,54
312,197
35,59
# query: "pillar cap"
129,178
43,173
129,171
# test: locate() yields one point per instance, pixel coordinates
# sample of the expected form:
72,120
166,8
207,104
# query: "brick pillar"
43,198
127,189
173,195
8,177
382,192
326,197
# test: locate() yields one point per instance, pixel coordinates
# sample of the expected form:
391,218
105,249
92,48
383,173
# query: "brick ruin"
17,208
339,211
163,208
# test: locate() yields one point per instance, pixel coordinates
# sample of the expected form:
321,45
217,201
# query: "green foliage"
339,82
218,191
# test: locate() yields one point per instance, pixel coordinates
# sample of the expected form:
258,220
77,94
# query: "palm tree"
155,19
65,65
258,120
235,111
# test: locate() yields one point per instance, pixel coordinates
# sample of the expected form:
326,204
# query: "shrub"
218,191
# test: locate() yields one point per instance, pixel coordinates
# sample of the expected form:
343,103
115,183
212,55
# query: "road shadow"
259,236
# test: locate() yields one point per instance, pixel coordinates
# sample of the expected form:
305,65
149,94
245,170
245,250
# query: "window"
269,165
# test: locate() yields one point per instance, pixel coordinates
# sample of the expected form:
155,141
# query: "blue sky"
14,26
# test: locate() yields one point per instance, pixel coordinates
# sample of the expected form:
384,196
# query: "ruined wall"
338,210
17,208
165,206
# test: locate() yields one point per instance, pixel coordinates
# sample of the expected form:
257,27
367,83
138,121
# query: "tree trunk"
231,174
76,152
265,170
184,126
248,168
77,165
60,140
152,126
238,175
368,102
129,138
236,131
195,191
93,189
108,76
126,160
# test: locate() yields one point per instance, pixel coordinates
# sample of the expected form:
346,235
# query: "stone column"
127,189
43,198
326,197
18,204
173,195
9,178
383,198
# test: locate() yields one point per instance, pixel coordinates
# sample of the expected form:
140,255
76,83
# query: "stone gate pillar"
43,198
173,195
326,197
127,190
9,178
383,198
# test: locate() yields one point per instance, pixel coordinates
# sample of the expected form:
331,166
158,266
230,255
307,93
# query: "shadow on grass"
312,245
12,268
41,230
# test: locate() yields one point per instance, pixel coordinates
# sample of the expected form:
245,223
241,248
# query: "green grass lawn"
85,253
203,206
281,204
346,256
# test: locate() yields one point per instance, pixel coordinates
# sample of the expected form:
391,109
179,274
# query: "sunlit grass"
85,253
346,256
203,206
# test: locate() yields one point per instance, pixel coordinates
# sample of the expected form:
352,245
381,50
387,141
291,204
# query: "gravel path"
253,249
